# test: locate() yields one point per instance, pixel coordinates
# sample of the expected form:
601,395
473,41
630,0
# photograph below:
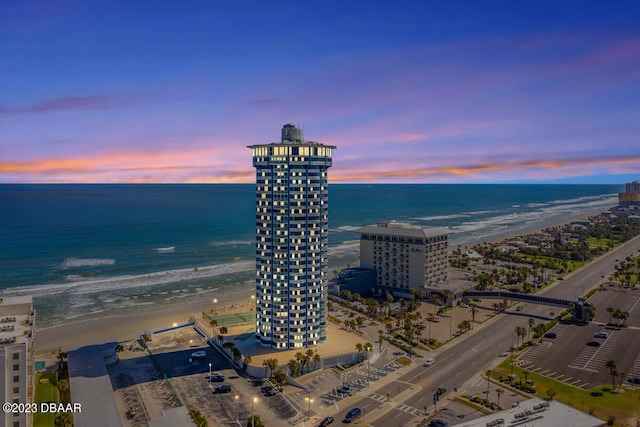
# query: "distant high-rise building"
631,196
404,256
17,325
291,240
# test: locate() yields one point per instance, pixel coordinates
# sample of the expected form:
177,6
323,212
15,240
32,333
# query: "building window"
16,367
16,378
16,356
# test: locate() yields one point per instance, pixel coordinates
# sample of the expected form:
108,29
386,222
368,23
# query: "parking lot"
570,359
189,376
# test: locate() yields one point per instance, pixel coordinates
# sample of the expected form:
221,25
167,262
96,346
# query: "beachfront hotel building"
17,326
404,256
631,195
291,240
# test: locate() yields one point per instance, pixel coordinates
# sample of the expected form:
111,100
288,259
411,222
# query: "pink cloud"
67,103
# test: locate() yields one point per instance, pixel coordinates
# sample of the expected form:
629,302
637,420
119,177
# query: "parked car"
224,388
201,354
463,305
594,343
438,423
353,414
519,308
634,380
216,377
429,362
346,388
550,335
325,422
601,335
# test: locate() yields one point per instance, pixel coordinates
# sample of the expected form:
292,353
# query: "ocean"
91,250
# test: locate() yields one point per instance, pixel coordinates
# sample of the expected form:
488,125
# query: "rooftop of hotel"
403,229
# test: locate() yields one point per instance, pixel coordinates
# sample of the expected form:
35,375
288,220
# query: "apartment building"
17,326
404,256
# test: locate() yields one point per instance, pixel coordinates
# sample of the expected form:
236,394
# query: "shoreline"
115,327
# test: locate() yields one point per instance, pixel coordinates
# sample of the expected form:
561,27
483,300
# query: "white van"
429,362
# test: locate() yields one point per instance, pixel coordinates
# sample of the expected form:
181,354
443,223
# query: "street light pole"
252,417
309,400
209,375
215,301
512,348
237,419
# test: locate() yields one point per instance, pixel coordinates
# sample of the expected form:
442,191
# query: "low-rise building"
536,412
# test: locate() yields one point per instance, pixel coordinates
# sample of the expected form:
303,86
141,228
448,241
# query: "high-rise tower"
291,240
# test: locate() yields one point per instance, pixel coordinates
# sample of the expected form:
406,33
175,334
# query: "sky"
409,91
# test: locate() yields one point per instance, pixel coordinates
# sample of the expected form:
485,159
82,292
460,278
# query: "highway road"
471,353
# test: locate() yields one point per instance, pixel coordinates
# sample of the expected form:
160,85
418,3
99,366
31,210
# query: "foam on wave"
86,262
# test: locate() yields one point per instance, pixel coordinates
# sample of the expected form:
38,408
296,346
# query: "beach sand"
73,335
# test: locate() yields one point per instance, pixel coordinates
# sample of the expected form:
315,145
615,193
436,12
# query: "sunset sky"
410,91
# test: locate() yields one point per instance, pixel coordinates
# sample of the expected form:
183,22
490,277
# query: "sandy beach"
123,328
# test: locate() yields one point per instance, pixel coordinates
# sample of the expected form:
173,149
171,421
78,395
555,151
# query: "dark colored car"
346,388
325,422
634,380
353,414
550,335
215,378
594,343
224,388
438,423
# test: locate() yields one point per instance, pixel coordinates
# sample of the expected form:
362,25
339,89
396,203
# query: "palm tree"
613,371
247,361
316,359
300,359
622,376
293,366
62,358
269,364
359,347
390,298
531,322
624,315
388,326
610,310
499,392
488,374
367,347
474,310
616,315
520,332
